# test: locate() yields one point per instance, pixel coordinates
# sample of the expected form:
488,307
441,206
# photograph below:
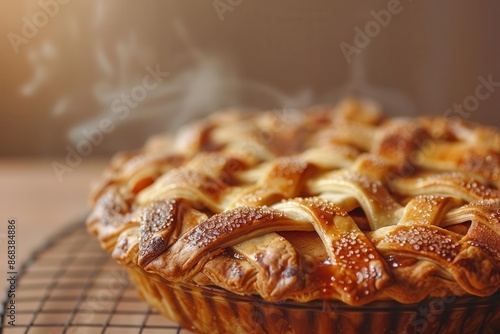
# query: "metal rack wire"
72,286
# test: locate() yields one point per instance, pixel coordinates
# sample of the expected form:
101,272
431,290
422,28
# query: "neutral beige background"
268,54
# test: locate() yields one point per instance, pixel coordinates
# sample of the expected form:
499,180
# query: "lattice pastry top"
327,203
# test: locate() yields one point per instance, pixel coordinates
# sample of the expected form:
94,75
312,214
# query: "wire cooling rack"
72,286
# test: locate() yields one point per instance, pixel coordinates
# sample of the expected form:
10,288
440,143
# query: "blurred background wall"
127,69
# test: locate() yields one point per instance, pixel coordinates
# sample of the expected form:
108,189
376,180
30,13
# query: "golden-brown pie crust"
330,203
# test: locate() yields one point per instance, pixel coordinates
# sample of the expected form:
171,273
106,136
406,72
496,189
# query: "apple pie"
329,203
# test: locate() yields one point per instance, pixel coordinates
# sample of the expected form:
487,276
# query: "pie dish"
283,210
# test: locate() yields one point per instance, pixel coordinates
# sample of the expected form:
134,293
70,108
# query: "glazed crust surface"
327,203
